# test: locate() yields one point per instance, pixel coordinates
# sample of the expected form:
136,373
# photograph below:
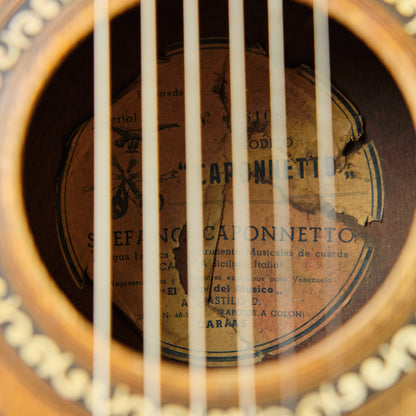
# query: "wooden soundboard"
361,363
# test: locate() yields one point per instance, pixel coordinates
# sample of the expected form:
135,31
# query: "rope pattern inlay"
406,9
74,383
17,36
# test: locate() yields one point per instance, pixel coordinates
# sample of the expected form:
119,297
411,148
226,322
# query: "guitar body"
360,363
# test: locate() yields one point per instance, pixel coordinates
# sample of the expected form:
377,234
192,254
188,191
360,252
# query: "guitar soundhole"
368,238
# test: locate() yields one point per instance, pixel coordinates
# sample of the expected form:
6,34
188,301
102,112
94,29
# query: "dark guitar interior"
67,101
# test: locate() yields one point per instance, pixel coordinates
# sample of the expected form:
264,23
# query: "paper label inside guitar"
303,272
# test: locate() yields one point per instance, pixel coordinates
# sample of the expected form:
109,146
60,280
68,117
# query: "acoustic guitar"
303,277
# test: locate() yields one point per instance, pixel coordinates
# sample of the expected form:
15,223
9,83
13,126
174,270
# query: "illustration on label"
327,260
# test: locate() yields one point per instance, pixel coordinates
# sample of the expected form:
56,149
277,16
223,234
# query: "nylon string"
102,212
194,212
150,169
102,187
324,127
241,209
278,130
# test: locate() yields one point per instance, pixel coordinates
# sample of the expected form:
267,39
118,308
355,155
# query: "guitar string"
151,249
278,131
102,252
102,212
326,168
194,210
245,340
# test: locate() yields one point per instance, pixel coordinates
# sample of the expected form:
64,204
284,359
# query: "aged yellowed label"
327,259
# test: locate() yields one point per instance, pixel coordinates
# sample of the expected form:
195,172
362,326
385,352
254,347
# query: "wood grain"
48,93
